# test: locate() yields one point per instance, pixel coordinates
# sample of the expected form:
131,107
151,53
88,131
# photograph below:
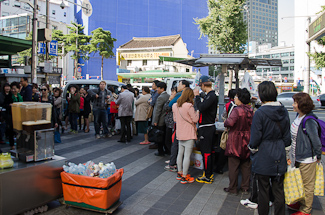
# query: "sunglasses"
43,89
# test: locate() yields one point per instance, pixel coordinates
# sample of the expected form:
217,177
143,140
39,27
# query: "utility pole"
34,44
47,43
307,80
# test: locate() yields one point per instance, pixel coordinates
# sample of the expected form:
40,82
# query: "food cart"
35,137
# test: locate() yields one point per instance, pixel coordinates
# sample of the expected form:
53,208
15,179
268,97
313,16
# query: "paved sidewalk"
147,188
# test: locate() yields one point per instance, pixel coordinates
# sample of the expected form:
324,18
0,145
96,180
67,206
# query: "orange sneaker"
179,176
187,179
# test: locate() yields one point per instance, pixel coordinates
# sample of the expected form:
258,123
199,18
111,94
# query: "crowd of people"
261,144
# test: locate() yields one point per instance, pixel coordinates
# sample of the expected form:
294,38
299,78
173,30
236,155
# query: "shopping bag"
117,124
223,140
319,182
57,137
196,159
293,186
149,113
154,134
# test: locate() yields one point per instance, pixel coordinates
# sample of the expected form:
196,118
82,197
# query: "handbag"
293,186
223,140
319,182
154,134
149,113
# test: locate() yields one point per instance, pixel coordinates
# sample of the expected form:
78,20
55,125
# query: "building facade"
279,74
152,57
262,21
16,21
126,19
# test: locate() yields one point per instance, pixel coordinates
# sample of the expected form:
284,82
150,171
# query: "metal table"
30,185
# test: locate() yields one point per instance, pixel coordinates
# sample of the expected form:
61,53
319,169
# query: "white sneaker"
248,204
97,136
270,203
167,162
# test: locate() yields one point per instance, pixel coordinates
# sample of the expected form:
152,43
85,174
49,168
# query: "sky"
286,12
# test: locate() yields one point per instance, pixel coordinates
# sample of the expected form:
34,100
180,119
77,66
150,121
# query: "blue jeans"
100,117
74,121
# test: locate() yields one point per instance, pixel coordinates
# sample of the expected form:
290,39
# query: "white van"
173,82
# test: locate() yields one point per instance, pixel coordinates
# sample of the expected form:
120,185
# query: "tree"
319,57
225,27
103,43
77,42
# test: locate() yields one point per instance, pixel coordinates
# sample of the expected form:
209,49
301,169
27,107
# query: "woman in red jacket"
239,126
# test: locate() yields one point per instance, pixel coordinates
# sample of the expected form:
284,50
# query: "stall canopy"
11,46
242,60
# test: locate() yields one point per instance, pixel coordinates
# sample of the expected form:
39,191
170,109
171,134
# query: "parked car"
286,100
322,99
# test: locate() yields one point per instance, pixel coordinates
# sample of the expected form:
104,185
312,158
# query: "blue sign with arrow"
41,48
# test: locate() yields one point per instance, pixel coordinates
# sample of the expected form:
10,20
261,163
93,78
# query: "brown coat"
142,107
239,125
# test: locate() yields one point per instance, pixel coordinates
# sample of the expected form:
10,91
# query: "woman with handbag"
270,136
185,115
306,149
140,118
239,125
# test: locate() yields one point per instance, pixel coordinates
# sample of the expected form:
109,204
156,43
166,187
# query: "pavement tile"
179,208
154,211
245,212
230,211
230,204
161,205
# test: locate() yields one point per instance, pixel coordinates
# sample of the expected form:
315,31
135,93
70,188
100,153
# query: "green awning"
11,46
157,74
171,59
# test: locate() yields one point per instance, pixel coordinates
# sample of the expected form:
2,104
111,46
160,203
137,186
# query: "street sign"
53,49
317,28
79,69
41,48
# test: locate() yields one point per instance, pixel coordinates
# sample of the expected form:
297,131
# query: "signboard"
79,69
41,48
54,79
317,27
53,48
144,55
55,70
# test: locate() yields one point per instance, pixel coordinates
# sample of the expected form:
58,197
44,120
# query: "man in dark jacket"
207,129
100,97
74,108
27,90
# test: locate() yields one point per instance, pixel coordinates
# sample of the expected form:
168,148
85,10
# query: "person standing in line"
152,102
99,97
158,118
239,126
35,94
46,97
82,106
306,150
125,113
142,107
74,108
6,101
185,115
270,139
87,109
207,129
27,90
16,97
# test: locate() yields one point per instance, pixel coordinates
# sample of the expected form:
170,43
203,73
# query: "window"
292,60
275,69
187,70
53,12
285,61
6,2
292,53
144,62
5,14
266,56
292,68
284,68
54,27
129,62
160,62
286,54
275,55
65,14
17,4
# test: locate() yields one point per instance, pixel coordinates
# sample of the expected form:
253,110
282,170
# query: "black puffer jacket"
270,135
207,108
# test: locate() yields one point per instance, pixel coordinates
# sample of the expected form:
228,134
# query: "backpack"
321,124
